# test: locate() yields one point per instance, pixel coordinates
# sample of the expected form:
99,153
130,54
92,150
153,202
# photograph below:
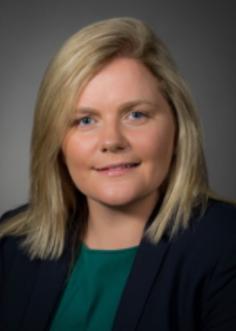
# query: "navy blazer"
185,284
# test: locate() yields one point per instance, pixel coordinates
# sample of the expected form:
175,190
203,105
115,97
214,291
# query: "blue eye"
137,114
84,121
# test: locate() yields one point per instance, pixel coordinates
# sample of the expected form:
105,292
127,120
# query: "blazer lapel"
47,289
145,269
31,291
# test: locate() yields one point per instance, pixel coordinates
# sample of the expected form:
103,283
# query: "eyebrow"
125,106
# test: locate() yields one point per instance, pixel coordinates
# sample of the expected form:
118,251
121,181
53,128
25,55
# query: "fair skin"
118,151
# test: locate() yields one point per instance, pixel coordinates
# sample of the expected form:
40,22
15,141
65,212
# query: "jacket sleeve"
220,300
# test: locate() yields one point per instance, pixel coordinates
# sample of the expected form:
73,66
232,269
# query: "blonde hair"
53,196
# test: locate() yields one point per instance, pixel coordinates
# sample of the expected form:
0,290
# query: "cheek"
77,151
76,159
156,144
157,156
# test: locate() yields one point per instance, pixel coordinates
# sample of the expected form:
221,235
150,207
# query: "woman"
122,231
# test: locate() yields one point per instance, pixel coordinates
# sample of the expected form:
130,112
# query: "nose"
113,139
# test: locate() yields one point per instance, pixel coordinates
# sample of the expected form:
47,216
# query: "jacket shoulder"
209,237
10,245
13,212
211,234
219,219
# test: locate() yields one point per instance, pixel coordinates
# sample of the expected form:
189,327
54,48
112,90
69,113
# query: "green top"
91,298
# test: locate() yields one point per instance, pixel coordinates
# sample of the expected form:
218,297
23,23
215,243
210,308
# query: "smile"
117,169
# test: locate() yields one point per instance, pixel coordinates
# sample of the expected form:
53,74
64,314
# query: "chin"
116,203
110,197
118,200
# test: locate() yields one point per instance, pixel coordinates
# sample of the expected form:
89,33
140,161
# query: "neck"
112,227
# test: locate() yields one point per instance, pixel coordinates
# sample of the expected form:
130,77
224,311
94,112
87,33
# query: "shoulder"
10,246
210,237
206,250
219,209
214,260
218,221
13,212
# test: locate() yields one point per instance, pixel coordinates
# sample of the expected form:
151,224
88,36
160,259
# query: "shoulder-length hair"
53,196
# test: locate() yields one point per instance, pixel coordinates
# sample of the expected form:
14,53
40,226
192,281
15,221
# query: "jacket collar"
46,282
147,263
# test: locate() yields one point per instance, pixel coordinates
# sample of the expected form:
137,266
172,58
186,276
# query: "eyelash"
78,121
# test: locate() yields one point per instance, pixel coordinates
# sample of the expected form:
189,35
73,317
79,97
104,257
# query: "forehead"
121,80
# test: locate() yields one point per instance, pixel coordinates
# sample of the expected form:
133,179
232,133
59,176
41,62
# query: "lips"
118,166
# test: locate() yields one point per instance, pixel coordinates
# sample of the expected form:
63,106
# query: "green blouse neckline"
89,250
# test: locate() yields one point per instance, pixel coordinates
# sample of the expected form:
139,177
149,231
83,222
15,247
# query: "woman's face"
120,144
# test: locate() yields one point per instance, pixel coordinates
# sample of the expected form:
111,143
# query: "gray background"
200,34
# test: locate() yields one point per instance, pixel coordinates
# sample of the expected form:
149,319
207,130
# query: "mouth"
118,169
119,166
